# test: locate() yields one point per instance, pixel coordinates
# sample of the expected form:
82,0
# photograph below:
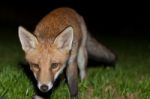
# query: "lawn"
129,80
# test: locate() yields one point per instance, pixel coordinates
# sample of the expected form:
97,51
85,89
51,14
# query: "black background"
102,17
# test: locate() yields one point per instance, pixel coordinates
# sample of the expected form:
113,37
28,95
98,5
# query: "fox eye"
35,66
54,65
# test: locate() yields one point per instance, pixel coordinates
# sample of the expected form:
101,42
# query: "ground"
130,79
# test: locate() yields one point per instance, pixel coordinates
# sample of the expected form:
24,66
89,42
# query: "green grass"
129,80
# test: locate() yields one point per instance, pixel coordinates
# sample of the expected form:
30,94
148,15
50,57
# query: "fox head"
46,60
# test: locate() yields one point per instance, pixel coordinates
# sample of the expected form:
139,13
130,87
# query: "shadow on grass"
26,69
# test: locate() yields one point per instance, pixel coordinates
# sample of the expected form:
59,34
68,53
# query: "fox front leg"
72,74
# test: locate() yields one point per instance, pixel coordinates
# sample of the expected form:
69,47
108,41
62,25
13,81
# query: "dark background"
102,17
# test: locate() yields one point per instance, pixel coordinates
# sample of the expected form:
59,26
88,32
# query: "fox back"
55,22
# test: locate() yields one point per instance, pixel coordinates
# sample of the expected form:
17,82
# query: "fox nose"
44,88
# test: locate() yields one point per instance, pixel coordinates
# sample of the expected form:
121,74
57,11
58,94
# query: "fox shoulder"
56,21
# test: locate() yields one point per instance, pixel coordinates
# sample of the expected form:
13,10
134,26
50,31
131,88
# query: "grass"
129,80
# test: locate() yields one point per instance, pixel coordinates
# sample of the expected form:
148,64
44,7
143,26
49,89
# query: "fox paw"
37,97
75,97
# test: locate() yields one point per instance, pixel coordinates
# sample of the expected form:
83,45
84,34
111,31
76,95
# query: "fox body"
60,41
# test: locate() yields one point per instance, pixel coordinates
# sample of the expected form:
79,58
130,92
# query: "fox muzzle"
45,87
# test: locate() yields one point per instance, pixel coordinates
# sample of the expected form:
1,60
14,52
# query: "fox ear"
64,40
28,41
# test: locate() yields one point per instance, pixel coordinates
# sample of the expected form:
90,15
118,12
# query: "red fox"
61,42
